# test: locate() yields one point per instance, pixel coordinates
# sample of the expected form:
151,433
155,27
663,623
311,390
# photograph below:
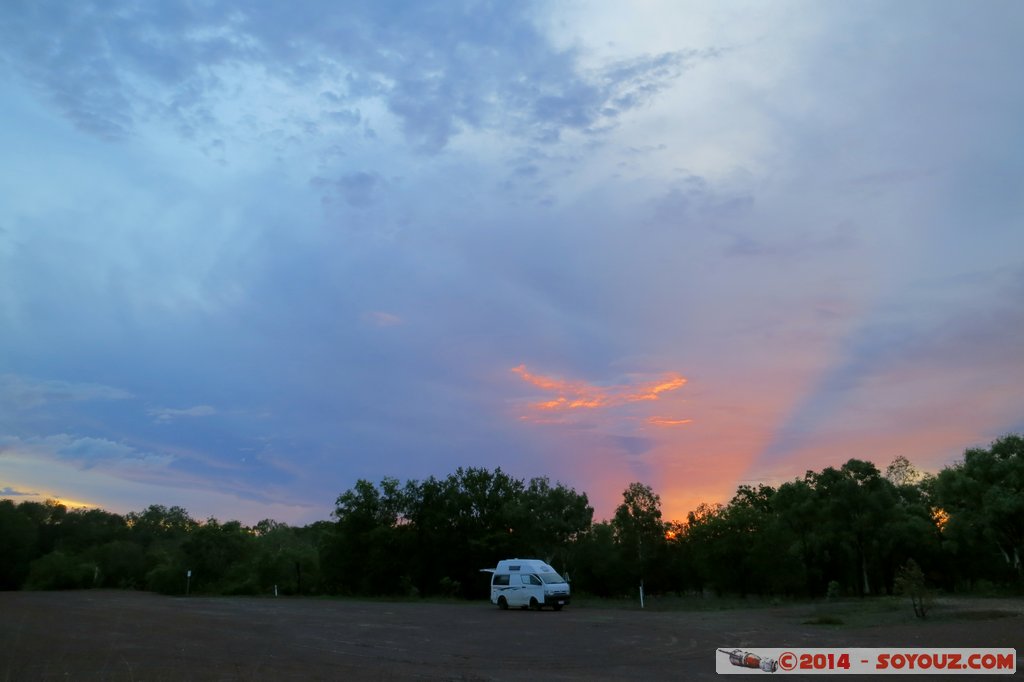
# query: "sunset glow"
74,504
251,255
940,518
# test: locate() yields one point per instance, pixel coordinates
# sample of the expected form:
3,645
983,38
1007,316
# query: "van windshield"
550,578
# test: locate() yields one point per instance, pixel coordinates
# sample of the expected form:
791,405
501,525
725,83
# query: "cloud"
8,491
575,395
633,82
795,247
665,421
358,189
27,392
84,452
438,69
115,492
66,466
168,414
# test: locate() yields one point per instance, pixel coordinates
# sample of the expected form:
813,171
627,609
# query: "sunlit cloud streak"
575,395
664,421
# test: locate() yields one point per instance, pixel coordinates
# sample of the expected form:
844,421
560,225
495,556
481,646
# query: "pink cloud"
572,395
666,422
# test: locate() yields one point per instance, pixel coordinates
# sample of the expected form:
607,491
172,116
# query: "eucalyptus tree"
983,496
639,530
18,545
548,519
366,554
856,505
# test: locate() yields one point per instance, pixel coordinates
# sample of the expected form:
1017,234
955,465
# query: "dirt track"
106,635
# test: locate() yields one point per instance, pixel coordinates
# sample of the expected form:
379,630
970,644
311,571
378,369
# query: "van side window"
531,580
500,579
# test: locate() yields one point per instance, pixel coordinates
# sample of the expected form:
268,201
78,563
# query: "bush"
166,579
910,581
60,571
122,564
449,587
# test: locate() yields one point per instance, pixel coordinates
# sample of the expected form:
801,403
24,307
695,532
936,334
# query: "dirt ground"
110,635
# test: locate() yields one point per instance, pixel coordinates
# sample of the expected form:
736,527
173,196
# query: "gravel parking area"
111,635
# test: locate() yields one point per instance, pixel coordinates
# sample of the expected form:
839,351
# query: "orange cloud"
570,394
573,395
665,421
652,391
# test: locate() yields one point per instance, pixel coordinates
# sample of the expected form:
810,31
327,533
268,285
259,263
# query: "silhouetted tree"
984,498
848,526
639,530
18,541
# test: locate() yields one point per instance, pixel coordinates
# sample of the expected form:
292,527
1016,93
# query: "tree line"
847,530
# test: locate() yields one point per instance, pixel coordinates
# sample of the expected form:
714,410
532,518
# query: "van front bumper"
556,600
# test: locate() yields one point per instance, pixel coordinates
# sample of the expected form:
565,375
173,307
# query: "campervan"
527,583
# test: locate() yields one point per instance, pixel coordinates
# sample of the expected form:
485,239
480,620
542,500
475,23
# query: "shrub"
910,581
60,571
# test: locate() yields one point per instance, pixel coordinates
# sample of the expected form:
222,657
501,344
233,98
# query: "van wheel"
534,604
502,603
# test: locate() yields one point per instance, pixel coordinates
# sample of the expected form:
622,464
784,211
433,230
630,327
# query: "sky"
253,252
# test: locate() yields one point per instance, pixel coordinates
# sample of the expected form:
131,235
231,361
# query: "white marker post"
641,594
188,581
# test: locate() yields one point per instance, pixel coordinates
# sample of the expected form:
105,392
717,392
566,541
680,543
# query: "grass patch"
872,611
671,602
857,612
991,614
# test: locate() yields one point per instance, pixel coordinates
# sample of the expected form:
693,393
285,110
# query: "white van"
527,583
